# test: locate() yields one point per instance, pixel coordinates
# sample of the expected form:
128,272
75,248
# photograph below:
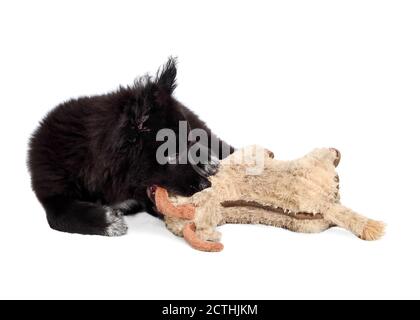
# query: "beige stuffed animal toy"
251,187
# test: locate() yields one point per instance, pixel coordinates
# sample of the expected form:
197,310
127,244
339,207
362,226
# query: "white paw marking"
117,226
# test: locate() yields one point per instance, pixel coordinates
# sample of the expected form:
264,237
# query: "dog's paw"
116,224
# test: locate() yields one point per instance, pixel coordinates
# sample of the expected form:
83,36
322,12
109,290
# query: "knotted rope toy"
300,195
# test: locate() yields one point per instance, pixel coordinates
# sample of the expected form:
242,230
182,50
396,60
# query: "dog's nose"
204,184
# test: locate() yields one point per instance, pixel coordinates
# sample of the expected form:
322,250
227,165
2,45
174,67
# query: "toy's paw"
337,156
213,235
373,230
116,224
191,237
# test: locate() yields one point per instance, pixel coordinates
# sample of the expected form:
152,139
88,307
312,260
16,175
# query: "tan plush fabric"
300,195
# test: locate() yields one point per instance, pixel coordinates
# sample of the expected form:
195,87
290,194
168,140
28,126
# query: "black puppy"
93,160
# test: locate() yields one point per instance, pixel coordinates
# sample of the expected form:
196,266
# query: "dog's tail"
364,228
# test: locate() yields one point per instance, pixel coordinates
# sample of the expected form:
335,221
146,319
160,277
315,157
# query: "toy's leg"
191,237
165,207
364,228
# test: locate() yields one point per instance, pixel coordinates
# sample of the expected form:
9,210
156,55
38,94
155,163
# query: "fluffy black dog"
93,160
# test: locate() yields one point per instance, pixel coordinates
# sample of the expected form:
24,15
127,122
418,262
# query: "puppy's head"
155,110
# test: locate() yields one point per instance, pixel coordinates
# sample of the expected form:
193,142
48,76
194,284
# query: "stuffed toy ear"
166,77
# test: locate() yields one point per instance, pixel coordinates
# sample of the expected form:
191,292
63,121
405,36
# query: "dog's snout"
204,184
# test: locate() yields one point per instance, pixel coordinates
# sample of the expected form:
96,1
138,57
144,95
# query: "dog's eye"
132,138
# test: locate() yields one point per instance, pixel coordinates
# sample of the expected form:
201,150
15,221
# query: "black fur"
92,154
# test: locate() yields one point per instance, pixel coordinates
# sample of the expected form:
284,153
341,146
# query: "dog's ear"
155,91
166,77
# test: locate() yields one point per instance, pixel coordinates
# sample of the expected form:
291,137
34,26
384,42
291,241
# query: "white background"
291,76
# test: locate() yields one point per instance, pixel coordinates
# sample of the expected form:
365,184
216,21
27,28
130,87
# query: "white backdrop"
290,75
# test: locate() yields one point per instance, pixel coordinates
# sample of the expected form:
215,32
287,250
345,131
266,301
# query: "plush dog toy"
251,187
